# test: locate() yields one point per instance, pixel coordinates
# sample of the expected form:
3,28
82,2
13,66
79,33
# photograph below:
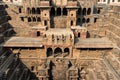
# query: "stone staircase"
20,27
60,22
16,19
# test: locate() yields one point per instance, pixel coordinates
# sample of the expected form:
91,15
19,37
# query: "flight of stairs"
21,28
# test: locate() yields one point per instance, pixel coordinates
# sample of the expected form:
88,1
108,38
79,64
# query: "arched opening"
28,10
49,52
33,10
84,11
65,11
95,20
52,11
88,20
71,23
98,11
38,11
45,22
20,10
22,18
34,19
66,50
38,19
38,33
79,34
79,11
32,68
9,18
89,11
83,20
58,11
58,51
29,19
78,21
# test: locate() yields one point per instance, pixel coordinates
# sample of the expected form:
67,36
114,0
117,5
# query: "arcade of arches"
33,10
79,20
34,19
64,11
82,21
58,11
54,11
84,11
57,51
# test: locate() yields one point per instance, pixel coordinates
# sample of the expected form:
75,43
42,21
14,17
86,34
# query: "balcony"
72,4
44,3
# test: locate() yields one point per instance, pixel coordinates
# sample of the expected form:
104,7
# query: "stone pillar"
55,11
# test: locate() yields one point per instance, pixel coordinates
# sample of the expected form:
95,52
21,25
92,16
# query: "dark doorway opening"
20,10
32,68
29,19
49,52
65,11
38,11
22,18
84,11
52,11
71,23
98,11
79,34
79,11
58,11
88,20
95,20
83,20
66,50
89,11
38,19
34,19
58,51
38,33
33,10
45,22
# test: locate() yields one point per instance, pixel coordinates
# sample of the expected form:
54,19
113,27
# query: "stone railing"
72,3
44,3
